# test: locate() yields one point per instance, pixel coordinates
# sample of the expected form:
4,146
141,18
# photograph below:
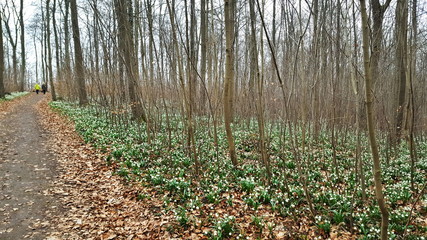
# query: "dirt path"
67,192
27,169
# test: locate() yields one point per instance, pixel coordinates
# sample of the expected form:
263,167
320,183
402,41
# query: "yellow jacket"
37,87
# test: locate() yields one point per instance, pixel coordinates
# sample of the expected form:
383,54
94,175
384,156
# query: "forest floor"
55,186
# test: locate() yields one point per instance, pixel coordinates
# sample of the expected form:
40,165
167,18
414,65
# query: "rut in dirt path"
27,169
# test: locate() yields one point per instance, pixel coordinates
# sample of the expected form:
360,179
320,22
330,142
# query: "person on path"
44,88
37,88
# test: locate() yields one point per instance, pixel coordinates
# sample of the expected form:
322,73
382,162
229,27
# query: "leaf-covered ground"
120,187
112,184
101,204
6,104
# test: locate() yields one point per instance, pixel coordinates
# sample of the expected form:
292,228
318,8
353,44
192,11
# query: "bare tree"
126,45
13,39
48,49
67,57
78,55
23,60
359,105
229,76
411,98
369,97
57,44
203,56
378,11
255,77
401,63
1,60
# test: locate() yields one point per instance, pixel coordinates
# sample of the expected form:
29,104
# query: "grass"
336,195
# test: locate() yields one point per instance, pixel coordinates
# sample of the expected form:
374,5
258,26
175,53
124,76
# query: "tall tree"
13,41
57,46
359,105
126,44
23,60
401,62
378,12
192,84
229,76
255,77
203,57
48,48
78,55
411,98
67,57
369,98
1,60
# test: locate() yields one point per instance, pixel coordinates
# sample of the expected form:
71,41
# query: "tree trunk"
359,110
255,77
229,77
378,11
49,52
78,55
57,46
13,43
126,45
67,58
401,63
369,95
21,23
151,43
203,43
1,60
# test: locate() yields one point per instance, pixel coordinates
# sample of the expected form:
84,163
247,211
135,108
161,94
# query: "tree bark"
57,46
369,97
255,77
23,61
49,52
78,55
378,11
203,56
411,102
401,63
126,45
2,93
13,43
67,58
229,77
359,105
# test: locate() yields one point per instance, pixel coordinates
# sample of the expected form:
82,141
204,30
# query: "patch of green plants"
323,223
252,202
12,96
258,222
182,217
247,185
224,228
212,197
335,189
142,196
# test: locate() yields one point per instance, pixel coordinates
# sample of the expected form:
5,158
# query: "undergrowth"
335,190
12,96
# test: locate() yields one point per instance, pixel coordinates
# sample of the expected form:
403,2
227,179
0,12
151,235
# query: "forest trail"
54,186
27,169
